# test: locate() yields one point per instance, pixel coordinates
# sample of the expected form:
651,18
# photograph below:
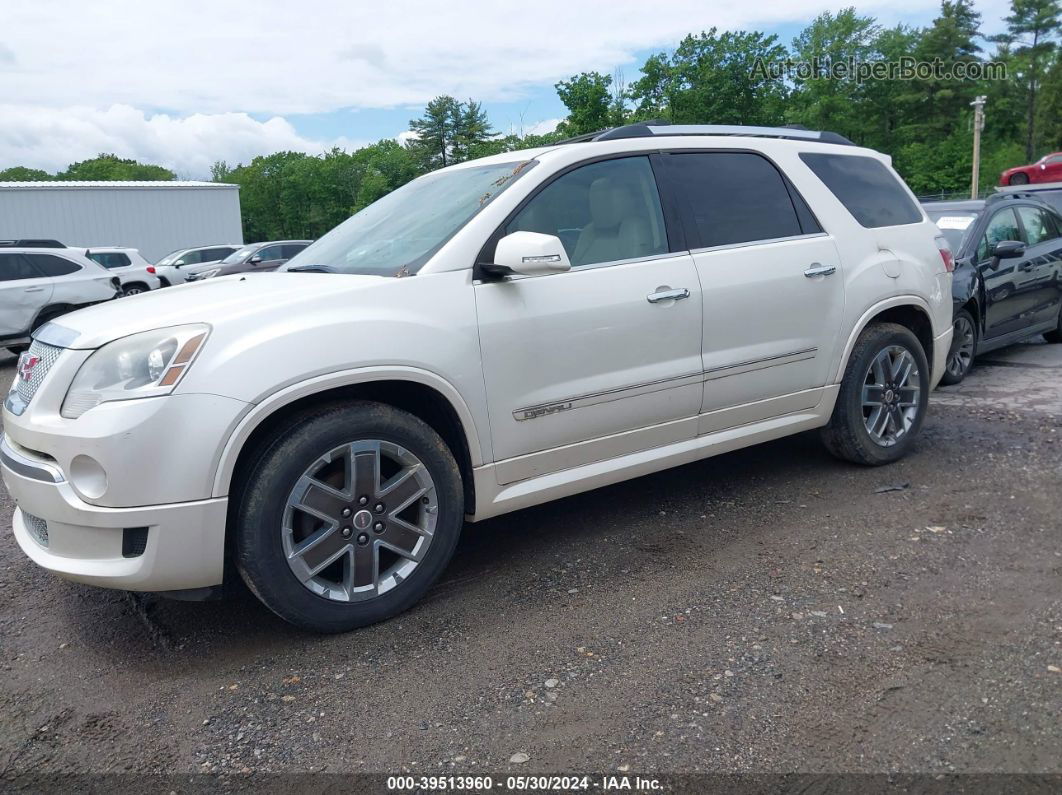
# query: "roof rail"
649,129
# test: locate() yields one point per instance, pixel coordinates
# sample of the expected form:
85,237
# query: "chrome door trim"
759,364
746,244
605,396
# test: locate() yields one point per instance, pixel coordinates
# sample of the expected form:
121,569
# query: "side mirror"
255,259
1006,249
531,254
178,263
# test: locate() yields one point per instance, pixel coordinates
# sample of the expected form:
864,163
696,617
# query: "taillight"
150,268
945,253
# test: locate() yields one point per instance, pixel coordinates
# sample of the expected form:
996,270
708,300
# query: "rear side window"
735,197
51,265
867,189
109,259
14,267
213,254
291,249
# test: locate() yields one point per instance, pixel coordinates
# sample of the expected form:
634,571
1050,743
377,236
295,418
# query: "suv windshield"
398,234
240,255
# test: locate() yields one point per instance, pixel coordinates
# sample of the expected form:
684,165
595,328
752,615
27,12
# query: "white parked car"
171,268
136,273
490,336
40,284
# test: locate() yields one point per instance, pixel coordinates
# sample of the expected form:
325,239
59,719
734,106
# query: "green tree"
713,78
589,101
447,131
112,167
23,174
1032,26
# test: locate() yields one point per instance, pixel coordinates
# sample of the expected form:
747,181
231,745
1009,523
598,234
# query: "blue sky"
183,83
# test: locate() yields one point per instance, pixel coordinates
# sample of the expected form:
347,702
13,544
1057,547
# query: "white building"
155,217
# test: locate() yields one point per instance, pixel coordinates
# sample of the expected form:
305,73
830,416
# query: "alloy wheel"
133,291
359,520
892,389
962,347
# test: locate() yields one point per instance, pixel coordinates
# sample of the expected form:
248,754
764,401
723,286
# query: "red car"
1047,169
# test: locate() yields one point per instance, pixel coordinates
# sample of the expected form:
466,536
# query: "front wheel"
348,516
1019,179
883,397
963,348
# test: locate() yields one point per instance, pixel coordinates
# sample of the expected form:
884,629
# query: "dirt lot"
768,610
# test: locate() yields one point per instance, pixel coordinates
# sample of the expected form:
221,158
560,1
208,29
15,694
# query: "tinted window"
869,191
291,249
14,267
109,259
191,258
51,265
213,254
733,197
1038,226
1002,226
270,253
602,212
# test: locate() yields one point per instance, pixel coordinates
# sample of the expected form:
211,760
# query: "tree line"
709,77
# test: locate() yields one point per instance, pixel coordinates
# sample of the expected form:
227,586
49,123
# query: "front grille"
48,356
37,527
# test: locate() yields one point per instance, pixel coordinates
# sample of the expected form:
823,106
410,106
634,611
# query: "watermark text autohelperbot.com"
904,68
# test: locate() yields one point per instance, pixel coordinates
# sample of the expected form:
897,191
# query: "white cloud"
52,138
279,57
543,127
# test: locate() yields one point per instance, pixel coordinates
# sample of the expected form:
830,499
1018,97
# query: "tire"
1055,335
847,435
963,348
314,589
134,289
1018,179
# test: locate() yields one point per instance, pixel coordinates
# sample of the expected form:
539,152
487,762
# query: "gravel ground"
768,610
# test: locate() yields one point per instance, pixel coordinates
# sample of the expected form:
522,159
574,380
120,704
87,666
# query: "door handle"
1026,266
667,294
818,269
34,290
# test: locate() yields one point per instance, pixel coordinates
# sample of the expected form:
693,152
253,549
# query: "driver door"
593,363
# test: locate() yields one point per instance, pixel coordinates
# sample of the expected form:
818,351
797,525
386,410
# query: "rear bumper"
185,542
941,348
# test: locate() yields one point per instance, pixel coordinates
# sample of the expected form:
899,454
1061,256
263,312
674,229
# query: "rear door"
24,291
74,283
772,291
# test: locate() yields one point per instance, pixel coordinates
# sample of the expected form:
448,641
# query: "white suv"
136,273
490,336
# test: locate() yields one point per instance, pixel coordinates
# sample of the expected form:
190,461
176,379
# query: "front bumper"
185,542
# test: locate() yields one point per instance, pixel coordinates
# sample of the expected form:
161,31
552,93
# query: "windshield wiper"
312,269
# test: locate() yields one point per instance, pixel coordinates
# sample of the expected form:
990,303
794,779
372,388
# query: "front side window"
289,250
602,212
733,197
271,253
1038,227
866,187
396,235
1002,226
51,265
14,267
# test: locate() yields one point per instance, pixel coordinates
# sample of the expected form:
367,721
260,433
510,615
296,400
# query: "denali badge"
26,363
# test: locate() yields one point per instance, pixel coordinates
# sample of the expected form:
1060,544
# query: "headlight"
141,365
206,274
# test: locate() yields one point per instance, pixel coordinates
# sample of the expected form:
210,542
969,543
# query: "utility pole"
978,125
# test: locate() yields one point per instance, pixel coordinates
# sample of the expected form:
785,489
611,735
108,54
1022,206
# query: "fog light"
88,477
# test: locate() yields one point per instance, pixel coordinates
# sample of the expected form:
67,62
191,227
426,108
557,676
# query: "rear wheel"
883,398
134,289
963,348
348,516
1019,179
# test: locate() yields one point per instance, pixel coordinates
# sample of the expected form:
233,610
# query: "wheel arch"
421,393
909,311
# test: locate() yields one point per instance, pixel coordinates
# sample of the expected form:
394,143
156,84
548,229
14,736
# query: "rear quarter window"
51,265
866,187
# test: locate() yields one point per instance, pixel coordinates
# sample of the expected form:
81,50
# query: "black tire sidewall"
877,338
259,551
948,379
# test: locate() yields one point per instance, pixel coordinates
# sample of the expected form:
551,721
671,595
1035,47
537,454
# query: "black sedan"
1008,273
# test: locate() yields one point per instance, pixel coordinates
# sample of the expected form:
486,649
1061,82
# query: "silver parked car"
252,258
136,273
171,268
37,285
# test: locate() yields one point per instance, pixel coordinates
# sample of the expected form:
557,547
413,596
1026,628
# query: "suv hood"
215,301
